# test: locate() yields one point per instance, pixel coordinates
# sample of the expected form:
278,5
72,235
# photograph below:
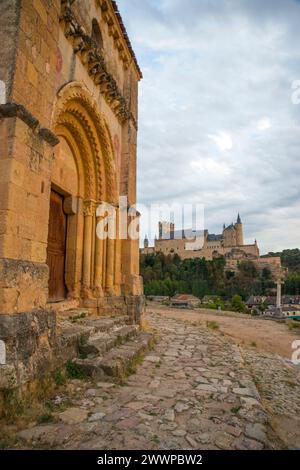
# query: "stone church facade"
68,132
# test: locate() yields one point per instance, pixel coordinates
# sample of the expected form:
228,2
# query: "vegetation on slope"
168,275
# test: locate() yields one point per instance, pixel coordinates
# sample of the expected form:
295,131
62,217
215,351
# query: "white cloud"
264,124
210,168
223,141
217,121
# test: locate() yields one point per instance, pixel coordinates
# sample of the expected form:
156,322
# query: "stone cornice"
93,60
116,27
11,110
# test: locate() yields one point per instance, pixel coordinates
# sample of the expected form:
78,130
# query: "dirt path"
262,335
195,390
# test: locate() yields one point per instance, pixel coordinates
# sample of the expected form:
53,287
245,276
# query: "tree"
201,277
237,304
263,307
292,284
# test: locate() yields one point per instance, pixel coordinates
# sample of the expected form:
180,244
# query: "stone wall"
29,339
9,20
23,286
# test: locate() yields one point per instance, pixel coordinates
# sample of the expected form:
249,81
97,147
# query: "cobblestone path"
194,390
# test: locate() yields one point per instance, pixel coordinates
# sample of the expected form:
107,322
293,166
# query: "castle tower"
166,230
239,232
229,236
146,242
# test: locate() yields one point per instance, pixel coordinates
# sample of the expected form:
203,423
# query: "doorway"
56,252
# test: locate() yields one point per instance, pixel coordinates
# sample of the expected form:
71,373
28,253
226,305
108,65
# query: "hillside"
289,258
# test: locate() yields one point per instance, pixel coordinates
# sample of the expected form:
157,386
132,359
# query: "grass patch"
60,378
293,325
132,368
44,419
212,325
78,318
49,405
3,445
74,371
82,355
235,409
155,439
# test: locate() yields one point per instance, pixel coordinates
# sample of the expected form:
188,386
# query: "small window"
96,34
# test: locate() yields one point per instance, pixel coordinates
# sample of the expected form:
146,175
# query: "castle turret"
239,232
229,236
166,230
146,242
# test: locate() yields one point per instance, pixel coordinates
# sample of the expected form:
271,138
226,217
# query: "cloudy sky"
218,125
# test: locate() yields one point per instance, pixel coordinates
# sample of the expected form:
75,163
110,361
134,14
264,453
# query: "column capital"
89,208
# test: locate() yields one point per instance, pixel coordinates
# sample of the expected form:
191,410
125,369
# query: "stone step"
119,361
105,324
91,326
72,336
102,342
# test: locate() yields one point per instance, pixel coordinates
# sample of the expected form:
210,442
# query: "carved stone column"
118,274
88,211
104,264
99,255
110,273
110,254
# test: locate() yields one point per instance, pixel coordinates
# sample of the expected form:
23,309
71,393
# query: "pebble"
96,417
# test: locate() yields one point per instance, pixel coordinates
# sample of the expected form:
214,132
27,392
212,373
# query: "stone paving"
194,390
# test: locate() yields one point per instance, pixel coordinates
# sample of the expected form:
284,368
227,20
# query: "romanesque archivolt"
77,118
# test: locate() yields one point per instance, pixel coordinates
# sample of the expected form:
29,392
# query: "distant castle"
189,244
196,244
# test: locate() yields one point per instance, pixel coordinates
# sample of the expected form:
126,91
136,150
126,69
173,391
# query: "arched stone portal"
84,174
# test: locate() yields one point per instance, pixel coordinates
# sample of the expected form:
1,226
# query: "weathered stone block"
30,341
23,286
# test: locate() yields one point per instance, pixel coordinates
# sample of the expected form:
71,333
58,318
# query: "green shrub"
60,378
237,304
44,419
74,371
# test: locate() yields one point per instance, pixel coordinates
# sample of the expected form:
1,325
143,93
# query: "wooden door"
56,253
